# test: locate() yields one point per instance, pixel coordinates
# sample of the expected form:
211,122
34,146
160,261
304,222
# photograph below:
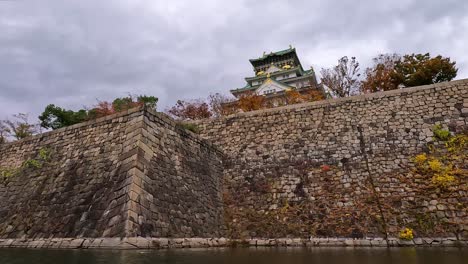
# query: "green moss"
43,156
32,163
191,127
6,172
440,133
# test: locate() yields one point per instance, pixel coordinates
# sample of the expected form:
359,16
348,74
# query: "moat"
238,255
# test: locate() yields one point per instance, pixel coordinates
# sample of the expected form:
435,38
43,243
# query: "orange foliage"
294,97
222,105
313,95
251,102
195,109
381,77
104,108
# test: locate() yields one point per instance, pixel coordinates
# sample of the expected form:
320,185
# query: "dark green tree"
55,117
149,101
421,69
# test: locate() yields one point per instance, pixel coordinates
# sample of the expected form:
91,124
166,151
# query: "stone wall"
343,167
131,174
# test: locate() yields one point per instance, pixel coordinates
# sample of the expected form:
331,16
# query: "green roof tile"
281,52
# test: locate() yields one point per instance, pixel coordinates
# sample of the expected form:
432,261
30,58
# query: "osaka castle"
277,72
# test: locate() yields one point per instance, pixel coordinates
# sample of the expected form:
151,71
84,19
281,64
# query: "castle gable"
271,86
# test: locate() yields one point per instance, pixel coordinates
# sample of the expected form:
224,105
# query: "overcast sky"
71,53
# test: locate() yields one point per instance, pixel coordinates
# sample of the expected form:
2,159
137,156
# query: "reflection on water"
241,255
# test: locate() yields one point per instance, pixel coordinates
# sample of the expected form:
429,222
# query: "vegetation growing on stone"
191,127
440,133
442,164
42,157
406,234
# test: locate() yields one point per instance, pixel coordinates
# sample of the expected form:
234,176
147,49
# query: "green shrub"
440,133
191,127
42,157
32,163
44,154
6,172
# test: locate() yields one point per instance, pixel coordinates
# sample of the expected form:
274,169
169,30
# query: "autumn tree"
251,102
343,79
382,75
312,96
104,108
293,97
421,69
221,105
190,110
18,128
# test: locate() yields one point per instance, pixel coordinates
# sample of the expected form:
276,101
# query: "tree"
381,76
191,110
149,101
4,132
313,95
55,117
104,108
18,128
221,105
293,97
342,80
421,69
251,102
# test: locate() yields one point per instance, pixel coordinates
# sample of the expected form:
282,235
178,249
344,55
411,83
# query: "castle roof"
272,54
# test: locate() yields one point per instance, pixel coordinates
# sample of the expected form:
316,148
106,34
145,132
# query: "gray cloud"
72,52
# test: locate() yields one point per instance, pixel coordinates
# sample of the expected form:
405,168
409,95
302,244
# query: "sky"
73,53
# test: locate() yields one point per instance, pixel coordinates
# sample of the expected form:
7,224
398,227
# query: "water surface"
238,256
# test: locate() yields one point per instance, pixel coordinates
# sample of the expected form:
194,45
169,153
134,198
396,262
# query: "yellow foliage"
251,102
457,143
442,165
443,180
406,234
435,165
293,97
420,159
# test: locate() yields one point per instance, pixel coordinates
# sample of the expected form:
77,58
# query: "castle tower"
277,72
